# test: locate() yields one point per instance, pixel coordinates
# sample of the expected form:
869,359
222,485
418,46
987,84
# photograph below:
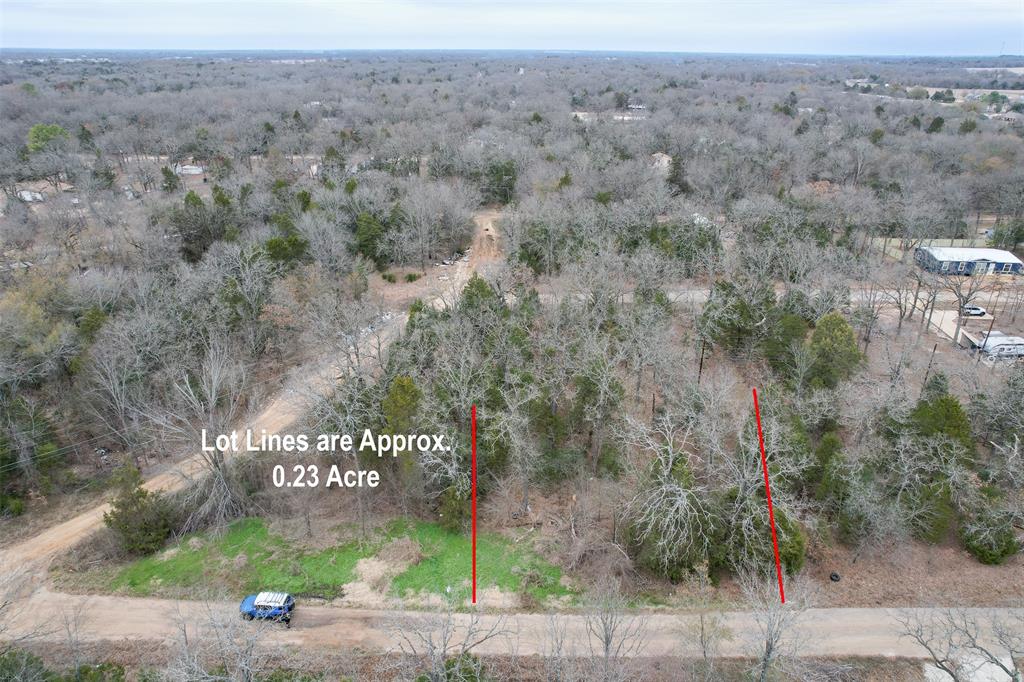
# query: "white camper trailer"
1000,345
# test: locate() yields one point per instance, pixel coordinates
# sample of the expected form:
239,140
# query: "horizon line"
508,49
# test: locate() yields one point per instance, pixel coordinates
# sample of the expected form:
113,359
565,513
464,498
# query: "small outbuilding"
954,260
188,169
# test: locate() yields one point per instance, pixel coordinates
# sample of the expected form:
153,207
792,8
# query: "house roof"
971,254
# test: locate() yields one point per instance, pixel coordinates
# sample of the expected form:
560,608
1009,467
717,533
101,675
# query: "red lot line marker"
768,492
473,440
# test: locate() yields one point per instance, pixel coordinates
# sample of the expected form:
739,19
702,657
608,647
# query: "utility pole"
700,367
929,370
984,342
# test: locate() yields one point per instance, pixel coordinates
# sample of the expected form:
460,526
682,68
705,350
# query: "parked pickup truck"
274,606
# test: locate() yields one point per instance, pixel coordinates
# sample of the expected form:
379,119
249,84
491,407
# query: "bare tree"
646,336
439,646
613,635
218,647
512,424
960,642
343,411
125,351
72,620
345,328
709,629
248,278
776,638
207,397
16,624
557,666
867,311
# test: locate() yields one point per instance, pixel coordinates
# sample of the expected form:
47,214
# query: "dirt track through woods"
284,410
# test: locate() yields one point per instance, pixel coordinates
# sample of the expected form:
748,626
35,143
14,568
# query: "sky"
860,27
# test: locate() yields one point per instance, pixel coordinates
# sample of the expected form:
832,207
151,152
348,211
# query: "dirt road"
821,632
284,410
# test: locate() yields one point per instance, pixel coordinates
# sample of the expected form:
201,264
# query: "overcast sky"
891,27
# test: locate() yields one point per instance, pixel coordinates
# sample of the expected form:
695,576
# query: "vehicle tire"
247,616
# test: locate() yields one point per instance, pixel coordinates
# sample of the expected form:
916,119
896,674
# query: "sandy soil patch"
374,574
495,598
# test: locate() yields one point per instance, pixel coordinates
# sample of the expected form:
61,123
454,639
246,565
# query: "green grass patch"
447,559
271,563
248,558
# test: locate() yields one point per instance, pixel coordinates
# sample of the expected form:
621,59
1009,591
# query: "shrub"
389,277
170,182
968,125
936,125
834,350
792,542
935,512
500,182
42,134
479,295
608,462
990,537
104,672
852,524
142,520
287,249
733,315
11,506
453,509
21,665
464,668
369,233
401,404
785,334
675,567
412,276
946,416
733,552
90,322
829,485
